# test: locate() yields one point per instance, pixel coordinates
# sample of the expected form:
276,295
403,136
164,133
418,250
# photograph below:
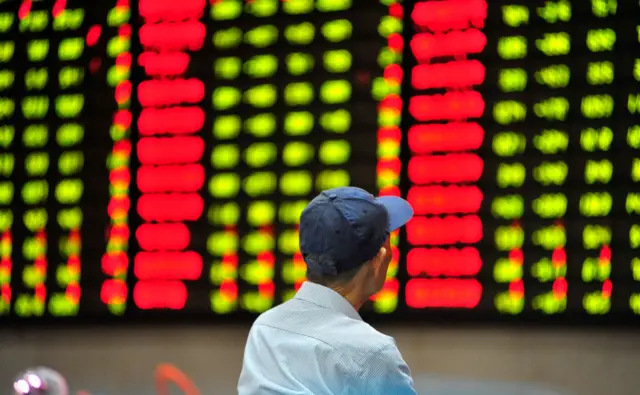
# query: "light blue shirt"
316,343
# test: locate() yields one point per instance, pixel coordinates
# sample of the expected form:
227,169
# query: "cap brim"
400,211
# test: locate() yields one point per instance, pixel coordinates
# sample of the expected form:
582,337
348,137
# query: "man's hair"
329,280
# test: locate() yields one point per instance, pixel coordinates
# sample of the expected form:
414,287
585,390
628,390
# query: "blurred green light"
288,242
261,36
225,156
333,5
261,125
226,214
69,191
224,185
227,68
301,34
261,66
338,30
296,183
226,10
34,79
335,152
35,107
71,48
298,94
513,47
37,164
35,192
69,19
6,220
7,134
225,98
7,163
297,153
70,162
226,39
35,136
260,154
289,212
6,51
261,8
261,96
297,7
261,213
260,184
222,243
328,179
338,121
34,22
6,192
6,21
35,219
299,63
335,92
298,123
254,243
226,127
69,106
116,46
337,61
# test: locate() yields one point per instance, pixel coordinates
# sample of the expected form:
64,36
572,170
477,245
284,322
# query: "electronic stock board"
155,155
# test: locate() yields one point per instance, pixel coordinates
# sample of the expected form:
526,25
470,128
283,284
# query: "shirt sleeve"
386,373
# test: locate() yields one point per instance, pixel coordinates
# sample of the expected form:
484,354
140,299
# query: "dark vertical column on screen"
169,150
10,77
115,258
632,144
387,90
66,158
508,138
444,168
530,235
597,35
293,115
36,132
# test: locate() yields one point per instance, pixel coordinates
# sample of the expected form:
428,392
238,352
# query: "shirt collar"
326,297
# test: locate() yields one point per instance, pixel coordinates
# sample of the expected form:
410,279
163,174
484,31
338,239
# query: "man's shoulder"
351,337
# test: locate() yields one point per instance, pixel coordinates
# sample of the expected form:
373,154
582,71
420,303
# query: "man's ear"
379,258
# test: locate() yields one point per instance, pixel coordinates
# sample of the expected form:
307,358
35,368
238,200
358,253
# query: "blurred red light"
447,107
450,168
160,295
444,262
456,74
166,236
426,46
447,137
172,120
168,265
170,207
444,231
443,293
450,14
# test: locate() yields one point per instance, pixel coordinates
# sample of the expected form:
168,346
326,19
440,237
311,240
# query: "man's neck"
351,295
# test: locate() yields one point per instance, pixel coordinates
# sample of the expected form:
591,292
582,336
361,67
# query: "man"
316,343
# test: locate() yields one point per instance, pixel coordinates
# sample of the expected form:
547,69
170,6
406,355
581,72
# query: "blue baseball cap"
342,228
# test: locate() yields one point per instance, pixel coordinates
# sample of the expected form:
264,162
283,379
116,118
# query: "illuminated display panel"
53,160
523,166
155,155
247,110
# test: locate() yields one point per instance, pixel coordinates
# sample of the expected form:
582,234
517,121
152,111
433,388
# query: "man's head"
344,239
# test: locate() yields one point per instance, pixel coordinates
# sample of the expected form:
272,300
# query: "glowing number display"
283,129
155,156
115,260
443,259
547,165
